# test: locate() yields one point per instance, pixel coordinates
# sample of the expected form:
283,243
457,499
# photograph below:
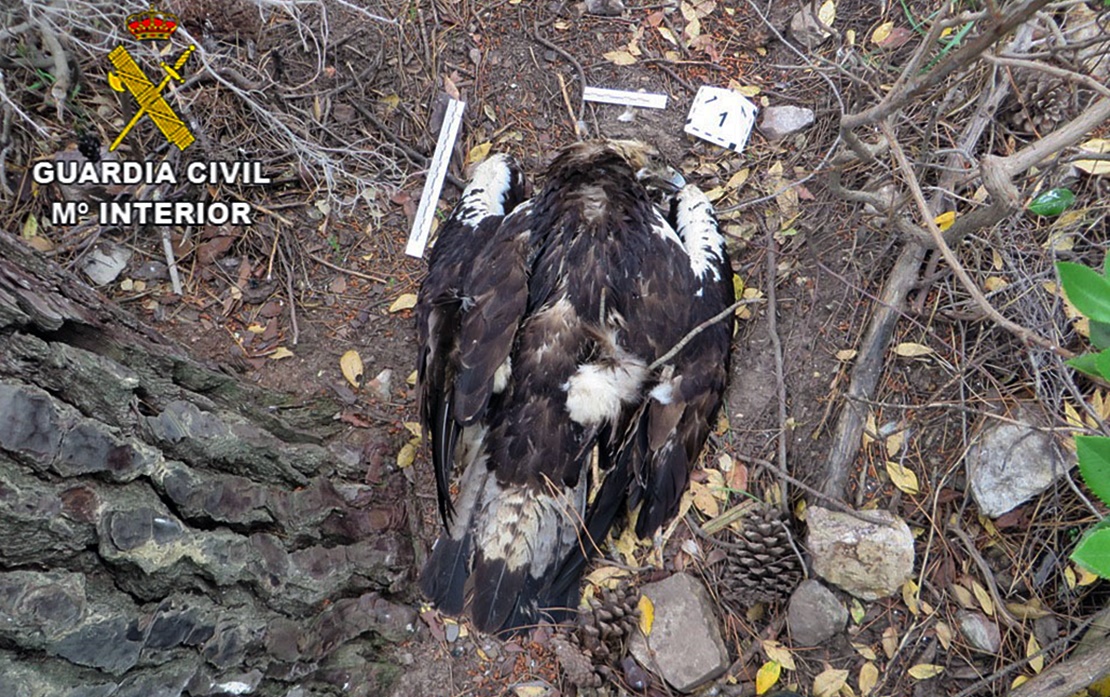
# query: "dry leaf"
280,353
647,614
881,33
924,671
829,681
983,597
1094,167
994,283
894,443
846,354
619,57
869,428
414,428
827,13
1069,577
909,596
1031,610
890,641
406,455
738,178
667,34
478,153
406,301
963,596
411,379
1032,647
704,500
778,653
351,365
909,349
450,88
868,678
767,676
944,635
902,477
945,220
607,576
863,649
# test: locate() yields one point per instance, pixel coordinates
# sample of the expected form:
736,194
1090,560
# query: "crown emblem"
152,25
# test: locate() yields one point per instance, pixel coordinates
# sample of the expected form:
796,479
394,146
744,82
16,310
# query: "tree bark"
162,531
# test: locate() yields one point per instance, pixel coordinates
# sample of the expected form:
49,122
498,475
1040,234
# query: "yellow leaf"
1032,647
607,576
626,545
911,350
924,671
869,429
881,32
846,354
391,101
738,178
530,690
945,220
944,635
414,428
850,37
767,676
478,153
1030,610
909,596
406,456
983,597
890,641
829,681
411,379
1092,167
868,678
704,500
406,301
963,596
351,365
668,35
894,443
619,57
748,91
902,477
994,283
1069,577
647,614
1072,415
827,13
281,353
1019,681
1086,578
778,653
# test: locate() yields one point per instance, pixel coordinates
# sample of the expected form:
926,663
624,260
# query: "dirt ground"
280,303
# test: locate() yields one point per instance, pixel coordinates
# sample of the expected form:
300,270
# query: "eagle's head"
649,166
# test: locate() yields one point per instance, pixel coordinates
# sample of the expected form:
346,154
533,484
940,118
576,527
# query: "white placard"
721,116
433,185
649,100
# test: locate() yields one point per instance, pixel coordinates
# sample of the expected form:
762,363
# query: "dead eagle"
541,326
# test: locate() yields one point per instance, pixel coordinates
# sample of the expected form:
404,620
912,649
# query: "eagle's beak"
666,179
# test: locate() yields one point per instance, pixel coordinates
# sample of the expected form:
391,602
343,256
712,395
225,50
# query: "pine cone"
1044,102
759,565
577,668
604,629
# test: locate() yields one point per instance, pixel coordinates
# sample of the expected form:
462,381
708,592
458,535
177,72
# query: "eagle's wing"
668,433
495,189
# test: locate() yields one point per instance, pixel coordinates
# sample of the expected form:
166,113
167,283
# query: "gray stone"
868,560
777,122
1011,463
40,605
112,645
105,262
605,8
815,614
685,646
807,29
981,633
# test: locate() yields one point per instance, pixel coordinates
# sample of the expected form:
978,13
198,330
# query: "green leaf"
1102,364
1052,202
1086,363
1093,550
1100,336
1087,289
1094,464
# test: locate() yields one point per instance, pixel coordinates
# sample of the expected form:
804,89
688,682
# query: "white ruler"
650,100
433,185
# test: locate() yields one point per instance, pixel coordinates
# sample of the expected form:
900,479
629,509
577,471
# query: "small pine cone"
1044,102
577,668
605,627
760,564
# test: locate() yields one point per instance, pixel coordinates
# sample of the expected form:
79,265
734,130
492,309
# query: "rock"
105,263
1011,463
807,29
381,387
980,632
605,8
777,122
868,560
685,646
815,614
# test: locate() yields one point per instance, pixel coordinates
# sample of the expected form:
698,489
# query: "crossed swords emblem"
130,77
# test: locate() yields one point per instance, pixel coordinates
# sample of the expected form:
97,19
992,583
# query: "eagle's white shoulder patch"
596,393
485,194
697,227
